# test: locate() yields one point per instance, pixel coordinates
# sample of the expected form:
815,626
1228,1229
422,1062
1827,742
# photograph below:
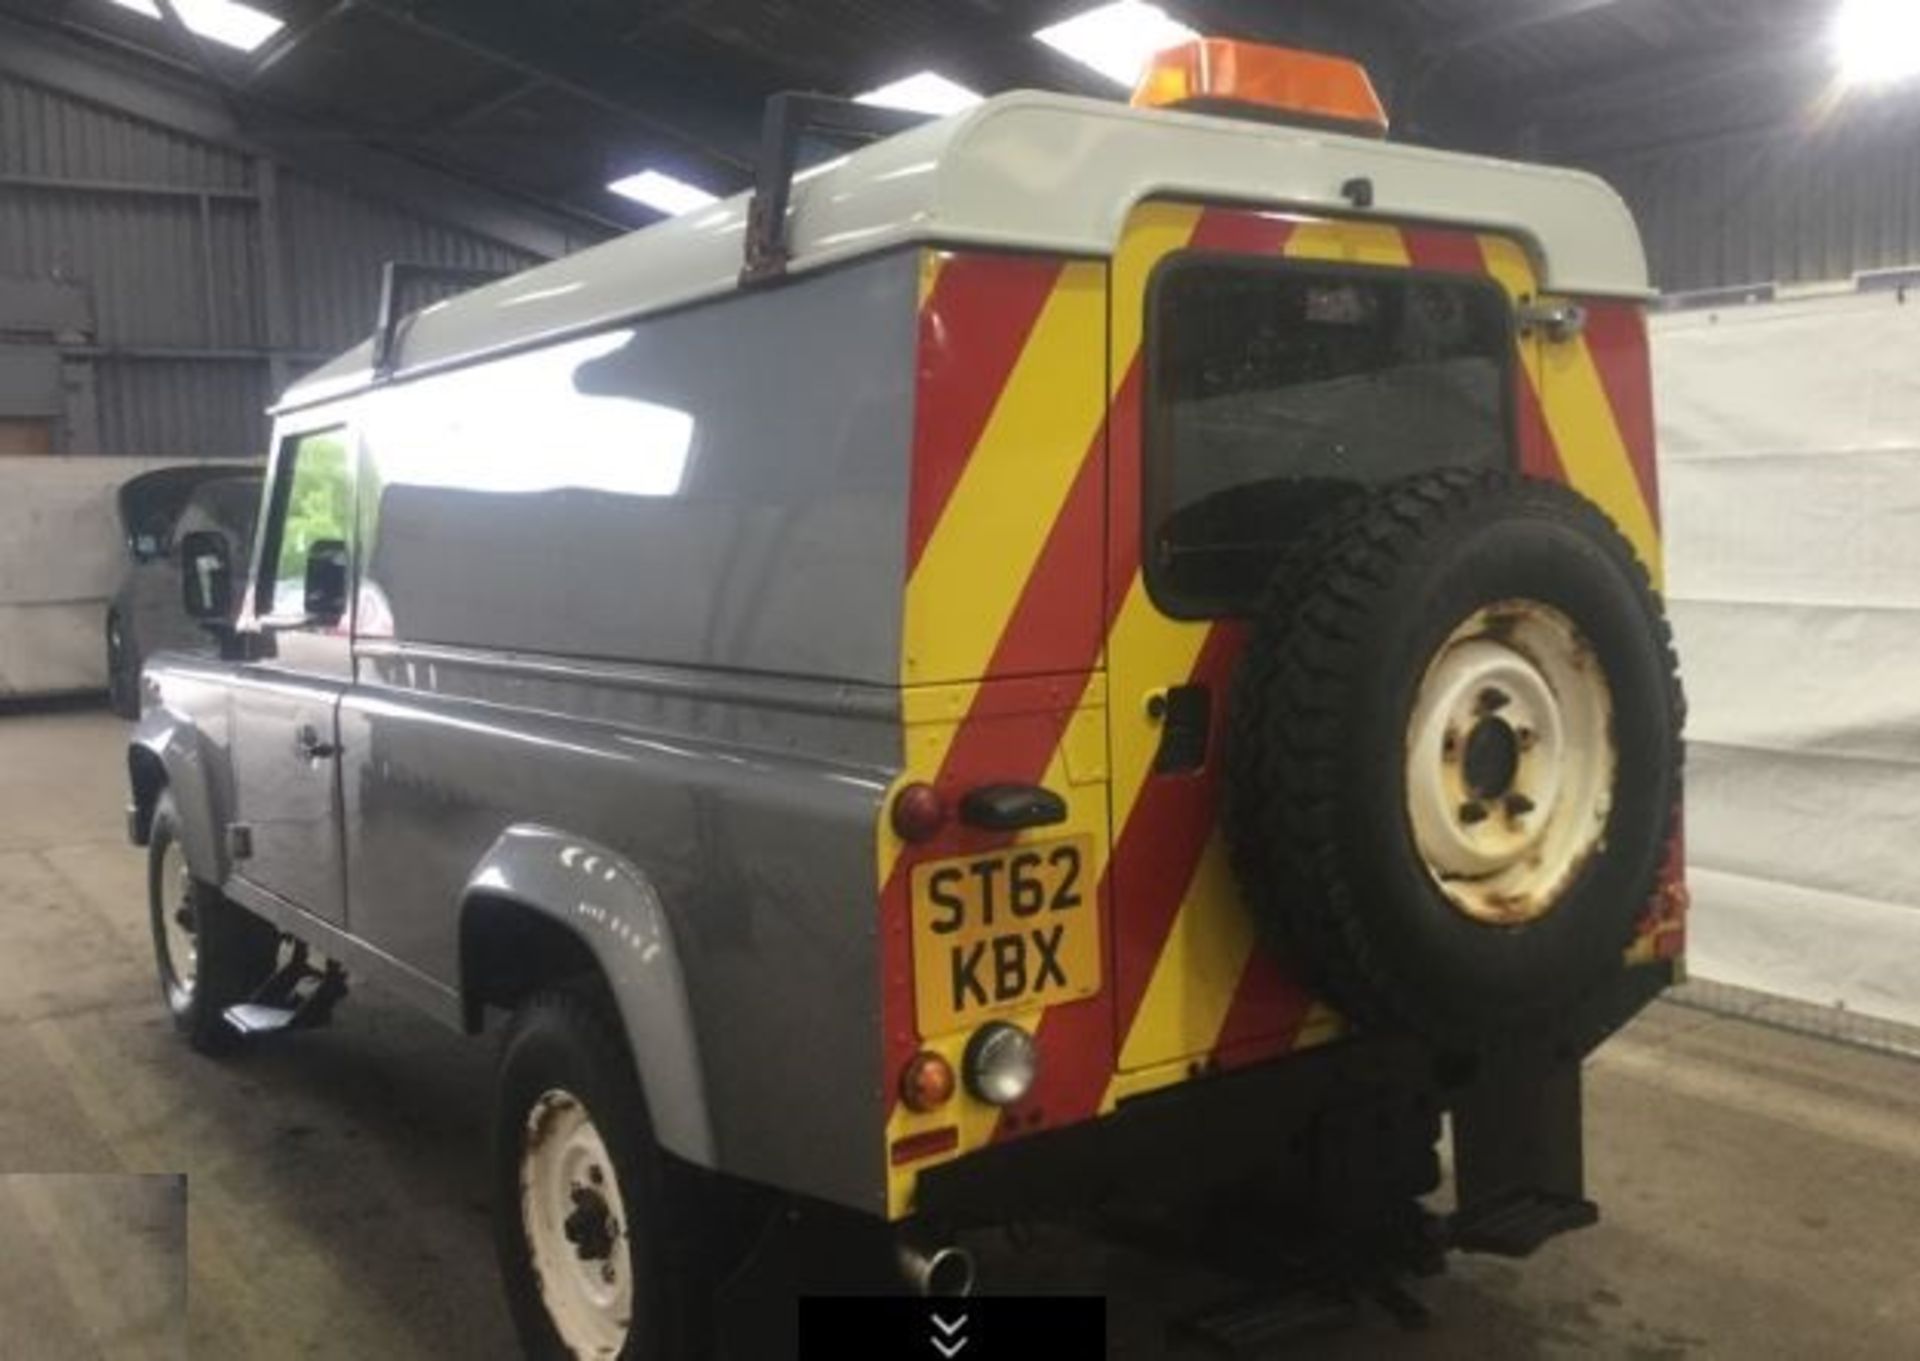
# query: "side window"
1277,388
312,505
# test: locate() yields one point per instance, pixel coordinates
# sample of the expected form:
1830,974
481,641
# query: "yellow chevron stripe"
932,263
1355,243
1011,491
1154,231
1587,434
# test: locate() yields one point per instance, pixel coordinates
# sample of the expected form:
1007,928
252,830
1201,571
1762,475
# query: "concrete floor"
1760,1191
62,1296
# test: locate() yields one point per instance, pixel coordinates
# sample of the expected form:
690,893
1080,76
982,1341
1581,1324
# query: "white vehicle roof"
1031,171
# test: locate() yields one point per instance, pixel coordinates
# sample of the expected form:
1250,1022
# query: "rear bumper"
1357,1120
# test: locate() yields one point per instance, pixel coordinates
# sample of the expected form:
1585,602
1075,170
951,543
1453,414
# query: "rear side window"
313,504
1277,389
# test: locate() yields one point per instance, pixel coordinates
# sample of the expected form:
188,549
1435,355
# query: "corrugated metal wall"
1786,204
167,234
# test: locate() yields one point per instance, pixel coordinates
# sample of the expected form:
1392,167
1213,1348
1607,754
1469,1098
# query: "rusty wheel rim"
576,1226
1510,762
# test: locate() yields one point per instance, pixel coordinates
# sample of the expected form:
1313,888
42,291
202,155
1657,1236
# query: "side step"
1517,1223
297,997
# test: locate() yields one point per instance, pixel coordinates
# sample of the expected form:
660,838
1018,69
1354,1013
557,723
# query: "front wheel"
210,953
580,1201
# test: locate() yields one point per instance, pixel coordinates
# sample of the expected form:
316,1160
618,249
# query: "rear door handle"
306,741
1185,714
1011,807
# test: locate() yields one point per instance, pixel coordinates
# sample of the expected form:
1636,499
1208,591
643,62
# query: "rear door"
1264,365
286,702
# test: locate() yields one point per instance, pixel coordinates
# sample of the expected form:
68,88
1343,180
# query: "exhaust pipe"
943,1271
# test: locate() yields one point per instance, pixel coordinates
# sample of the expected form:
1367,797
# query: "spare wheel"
1456,753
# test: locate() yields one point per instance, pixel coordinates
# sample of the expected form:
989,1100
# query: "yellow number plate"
997,932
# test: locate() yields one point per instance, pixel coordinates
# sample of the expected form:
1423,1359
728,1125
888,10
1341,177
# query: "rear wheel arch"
545,910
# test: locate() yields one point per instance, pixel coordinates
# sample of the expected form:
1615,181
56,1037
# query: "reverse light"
1213,75
1001,1063
928,1082
918,812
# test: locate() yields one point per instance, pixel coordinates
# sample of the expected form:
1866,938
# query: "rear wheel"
581,1206
210,953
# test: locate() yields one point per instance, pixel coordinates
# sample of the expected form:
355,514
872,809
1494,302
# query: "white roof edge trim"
1029,171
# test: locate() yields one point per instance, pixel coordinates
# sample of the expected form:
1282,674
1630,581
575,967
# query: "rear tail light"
918,812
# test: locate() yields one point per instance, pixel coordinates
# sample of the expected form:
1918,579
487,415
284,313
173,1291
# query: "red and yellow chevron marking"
1031,646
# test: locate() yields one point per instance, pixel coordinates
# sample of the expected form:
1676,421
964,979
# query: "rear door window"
1277,389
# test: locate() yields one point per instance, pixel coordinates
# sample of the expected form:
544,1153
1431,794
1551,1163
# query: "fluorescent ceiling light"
222,21
1117,40
1877,41
662,192
922,92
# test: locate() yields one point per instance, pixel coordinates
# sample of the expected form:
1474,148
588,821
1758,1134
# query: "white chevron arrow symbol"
949,1349
949,1328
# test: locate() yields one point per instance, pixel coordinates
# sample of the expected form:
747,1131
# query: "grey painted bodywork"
659,710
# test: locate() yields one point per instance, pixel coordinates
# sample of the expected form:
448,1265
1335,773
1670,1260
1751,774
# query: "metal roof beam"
682,107
290,40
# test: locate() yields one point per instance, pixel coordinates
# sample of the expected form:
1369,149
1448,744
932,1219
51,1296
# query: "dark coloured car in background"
156,510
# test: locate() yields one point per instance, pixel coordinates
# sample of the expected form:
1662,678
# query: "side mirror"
326,593
206,577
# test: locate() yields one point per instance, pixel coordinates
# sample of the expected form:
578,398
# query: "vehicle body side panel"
751,820
603,898
720,487
644,589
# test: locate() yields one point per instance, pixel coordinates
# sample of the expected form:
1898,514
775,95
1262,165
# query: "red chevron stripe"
1243,232
1157,853
972,331
1616,337
1443,251
1269,1007
1539,455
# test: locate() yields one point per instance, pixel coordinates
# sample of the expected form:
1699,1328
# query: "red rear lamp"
918,812
928,1083
1214,75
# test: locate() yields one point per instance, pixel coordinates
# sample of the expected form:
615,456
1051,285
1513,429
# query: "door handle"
1185,715
306,741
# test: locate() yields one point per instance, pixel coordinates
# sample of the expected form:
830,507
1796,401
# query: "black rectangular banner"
998,1328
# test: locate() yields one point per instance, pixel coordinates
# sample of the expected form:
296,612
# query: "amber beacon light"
1277,84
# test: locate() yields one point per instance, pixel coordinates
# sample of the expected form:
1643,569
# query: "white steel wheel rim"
179,941
576,1226
1510,762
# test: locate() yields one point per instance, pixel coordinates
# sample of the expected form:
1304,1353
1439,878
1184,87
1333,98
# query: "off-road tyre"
235,951
1316,810
568,1041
